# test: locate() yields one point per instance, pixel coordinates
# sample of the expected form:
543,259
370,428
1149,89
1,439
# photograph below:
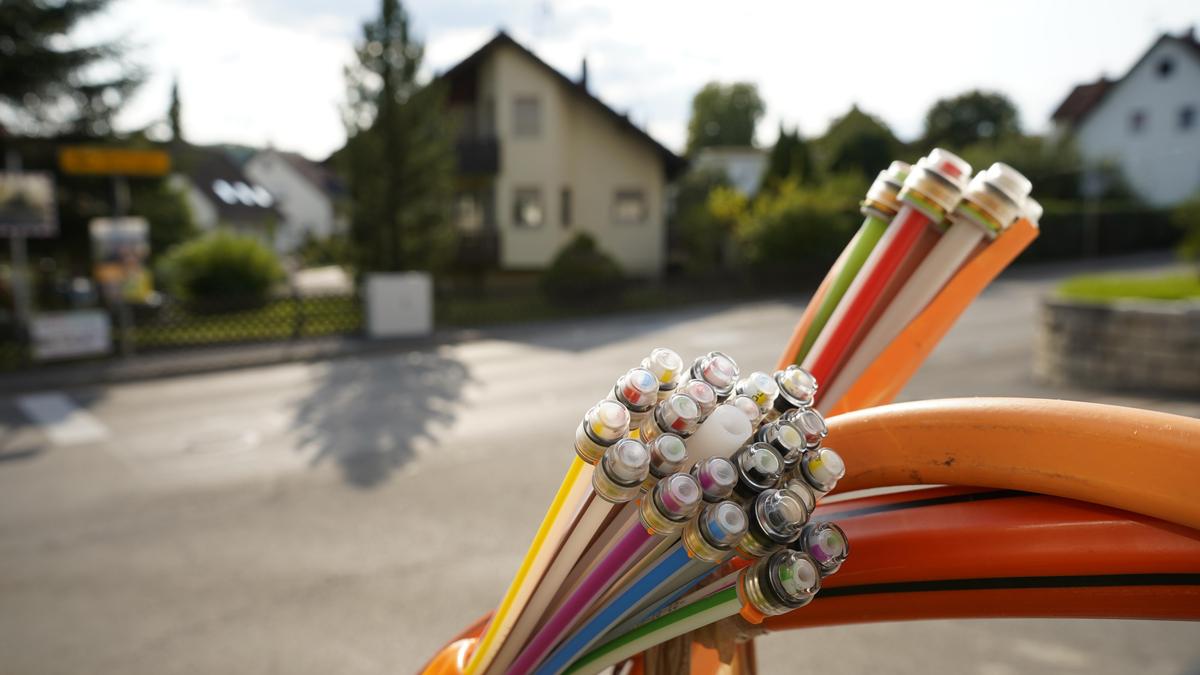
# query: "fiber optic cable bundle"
692,488
685,478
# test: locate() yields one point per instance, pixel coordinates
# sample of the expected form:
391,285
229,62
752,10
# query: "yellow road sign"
104,161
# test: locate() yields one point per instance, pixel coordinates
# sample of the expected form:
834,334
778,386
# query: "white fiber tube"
942,262
725,430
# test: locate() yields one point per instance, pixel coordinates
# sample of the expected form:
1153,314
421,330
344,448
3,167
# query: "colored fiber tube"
664,510
931,190
1138,460
888,374
595,513
880,206
993,200
632,546
555,525
803,326
612,613
709,610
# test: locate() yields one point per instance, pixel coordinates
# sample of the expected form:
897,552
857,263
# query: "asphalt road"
349,516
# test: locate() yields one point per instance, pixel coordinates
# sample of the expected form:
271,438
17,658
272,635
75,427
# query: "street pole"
22,297
124,311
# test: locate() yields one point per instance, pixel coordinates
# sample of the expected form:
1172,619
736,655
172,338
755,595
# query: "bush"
798,231
221,268
581,270
1186,217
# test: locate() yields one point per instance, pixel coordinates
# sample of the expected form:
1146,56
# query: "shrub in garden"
221,268
581,271
798,228
1186,217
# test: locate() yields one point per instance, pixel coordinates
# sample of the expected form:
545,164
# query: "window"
1137,121
1187,117
527,117
1165,67
629,207
565,206
527,208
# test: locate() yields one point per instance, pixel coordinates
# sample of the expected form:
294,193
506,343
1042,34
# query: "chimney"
583,73
1189,34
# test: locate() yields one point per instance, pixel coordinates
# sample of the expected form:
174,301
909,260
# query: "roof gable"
672,163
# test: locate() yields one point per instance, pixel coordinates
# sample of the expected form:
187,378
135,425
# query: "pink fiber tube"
631,547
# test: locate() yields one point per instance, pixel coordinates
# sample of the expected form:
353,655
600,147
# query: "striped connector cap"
883,197
994,199
936,184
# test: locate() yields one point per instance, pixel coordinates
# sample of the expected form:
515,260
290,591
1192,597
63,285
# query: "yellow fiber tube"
555,526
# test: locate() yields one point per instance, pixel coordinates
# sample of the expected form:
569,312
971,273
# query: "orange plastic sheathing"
810,311
1137,460
452,659
1050,557
1134,602
884,379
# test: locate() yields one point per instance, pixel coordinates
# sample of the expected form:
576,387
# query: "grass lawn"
1102,288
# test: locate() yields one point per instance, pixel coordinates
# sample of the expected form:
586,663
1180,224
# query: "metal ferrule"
589,448
809,542
699,547
771,435
655,518
759,586
799,487
610,489
761,538
930,193
819,486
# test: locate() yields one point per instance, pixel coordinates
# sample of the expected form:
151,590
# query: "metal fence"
178,325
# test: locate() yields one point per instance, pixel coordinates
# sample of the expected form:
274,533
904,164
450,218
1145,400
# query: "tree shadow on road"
368,413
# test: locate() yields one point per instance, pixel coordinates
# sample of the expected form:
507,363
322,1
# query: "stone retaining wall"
1127,345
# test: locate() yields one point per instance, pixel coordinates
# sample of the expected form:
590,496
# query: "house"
742,164
540,159
1146,122
306,195
220,195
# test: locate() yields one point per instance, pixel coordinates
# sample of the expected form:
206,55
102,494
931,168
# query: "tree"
858,143
174,112
48,86
969,118
699,237
789,158
398,158
724,114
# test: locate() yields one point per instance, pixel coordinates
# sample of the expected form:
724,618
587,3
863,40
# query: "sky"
269,72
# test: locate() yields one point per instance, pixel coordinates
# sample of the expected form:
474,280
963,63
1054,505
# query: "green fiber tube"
683,620
859,248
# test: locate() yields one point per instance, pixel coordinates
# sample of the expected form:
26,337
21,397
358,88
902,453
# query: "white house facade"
1147,123
305,195
541,159
743,165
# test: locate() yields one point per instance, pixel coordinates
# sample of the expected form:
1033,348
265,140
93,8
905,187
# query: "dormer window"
1165,67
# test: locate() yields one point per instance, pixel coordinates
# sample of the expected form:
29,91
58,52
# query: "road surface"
348,516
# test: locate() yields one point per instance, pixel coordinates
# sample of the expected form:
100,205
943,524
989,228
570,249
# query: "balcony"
477,156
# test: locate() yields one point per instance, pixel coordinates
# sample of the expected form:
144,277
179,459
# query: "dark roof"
1084,98
319,175
673,163
205,166
1080,101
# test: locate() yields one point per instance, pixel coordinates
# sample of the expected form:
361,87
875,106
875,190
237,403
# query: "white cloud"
270,71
